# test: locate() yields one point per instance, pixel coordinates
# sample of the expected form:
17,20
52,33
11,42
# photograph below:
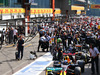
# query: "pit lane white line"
36,67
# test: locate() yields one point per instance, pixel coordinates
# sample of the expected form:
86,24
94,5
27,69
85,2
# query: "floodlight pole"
53,7
27,19
27,16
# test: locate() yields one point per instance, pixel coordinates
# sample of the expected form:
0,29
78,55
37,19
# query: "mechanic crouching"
45,42
41,33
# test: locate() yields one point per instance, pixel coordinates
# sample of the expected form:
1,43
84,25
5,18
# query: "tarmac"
8,63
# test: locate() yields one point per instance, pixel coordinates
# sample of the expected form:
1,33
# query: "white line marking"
36,67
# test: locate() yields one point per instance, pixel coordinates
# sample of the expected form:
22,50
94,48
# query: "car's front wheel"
77,71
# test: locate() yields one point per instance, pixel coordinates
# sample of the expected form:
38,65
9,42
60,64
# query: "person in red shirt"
91,24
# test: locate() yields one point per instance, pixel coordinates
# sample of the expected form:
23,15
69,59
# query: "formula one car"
69,68
82,54
74,59
54,71
79,56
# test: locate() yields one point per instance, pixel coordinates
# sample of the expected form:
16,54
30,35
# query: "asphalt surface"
8,64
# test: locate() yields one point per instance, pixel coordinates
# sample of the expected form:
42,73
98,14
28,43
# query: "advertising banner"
40,11
32,11
93,6
77,8
11,10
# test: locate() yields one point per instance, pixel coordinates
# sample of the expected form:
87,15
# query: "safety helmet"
59,40
67,57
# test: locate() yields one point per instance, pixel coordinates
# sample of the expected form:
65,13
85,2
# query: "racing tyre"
81,64
77,71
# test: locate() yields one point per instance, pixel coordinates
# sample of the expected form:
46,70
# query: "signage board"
81,0
40,11
77,7
95,6
11,10
58,11
16,16
51,15
22,16
6,17
32,11
32,16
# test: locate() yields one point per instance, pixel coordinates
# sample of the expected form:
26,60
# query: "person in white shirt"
94,54
15,35
50,30
43,42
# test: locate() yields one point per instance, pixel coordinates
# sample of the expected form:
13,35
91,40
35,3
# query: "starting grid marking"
36,67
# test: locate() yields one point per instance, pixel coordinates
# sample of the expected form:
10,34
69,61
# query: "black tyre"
84,57
81,64
77,71
50,73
